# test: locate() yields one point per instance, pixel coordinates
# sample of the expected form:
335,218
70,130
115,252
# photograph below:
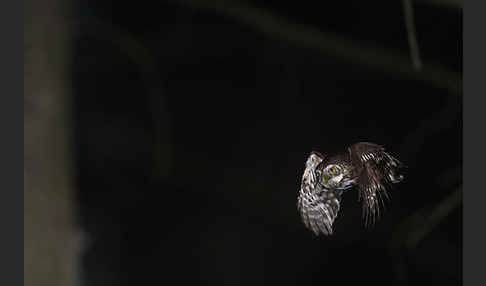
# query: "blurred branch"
456,4
373,56
412,35
438,213
414,228
408,234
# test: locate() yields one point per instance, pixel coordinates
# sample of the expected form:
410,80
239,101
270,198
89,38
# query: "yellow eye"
332,170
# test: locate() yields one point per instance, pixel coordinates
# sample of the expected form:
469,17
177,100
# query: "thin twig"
412,35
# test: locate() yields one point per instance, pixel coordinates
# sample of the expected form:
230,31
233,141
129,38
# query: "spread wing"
376,170
318,207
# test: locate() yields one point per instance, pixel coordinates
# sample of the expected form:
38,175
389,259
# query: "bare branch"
444,208
412,36
373,56
415,227
456,4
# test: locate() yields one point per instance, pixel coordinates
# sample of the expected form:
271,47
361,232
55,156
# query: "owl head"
335,174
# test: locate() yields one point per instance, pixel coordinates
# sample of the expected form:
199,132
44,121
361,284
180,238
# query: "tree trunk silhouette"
51,238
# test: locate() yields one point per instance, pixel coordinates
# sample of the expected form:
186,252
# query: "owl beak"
324,179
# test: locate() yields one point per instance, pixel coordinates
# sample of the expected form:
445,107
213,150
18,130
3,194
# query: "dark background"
192,129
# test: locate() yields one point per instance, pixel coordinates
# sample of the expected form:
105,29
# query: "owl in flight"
365,165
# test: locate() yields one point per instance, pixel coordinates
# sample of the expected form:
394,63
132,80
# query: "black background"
241,110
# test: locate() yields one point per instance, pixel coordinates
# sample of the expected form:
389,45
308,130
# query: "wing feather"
377,171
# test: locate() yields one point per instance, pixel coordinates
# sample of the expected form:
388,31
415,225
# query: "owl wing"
376,170
311,164
318,207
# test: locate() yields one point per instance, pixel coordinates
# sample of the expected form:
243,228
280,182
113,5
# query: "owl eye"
332,170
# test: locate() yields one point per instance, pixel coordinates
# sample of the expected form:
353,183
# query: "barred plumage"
325,178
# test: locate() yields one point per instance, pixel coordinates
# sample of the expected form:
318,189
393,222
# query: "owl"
363,165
